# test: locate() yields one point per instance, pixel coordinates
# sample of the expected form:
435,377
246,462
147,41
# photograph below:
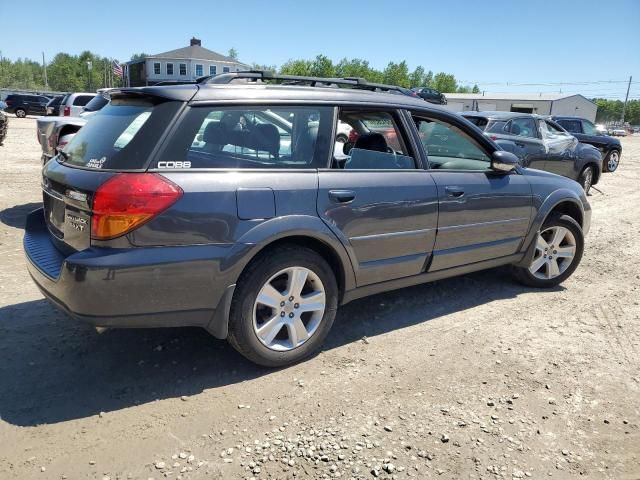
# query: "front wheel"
586,179
283,307
558,250
611,161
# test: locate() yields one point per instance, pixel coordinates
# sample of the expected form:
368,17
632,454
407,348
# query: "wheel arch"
562,202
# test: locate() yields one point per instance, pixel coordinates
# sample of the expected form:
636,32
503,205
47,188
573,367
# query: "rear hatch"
120,138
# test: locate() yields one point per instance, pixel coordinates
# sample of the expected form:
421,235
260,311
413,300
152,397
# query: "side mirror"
502,161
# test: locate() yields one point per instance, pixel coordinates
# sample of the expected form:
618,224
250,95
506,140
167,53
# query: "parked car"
541,143
431,95
53,107
26,104
257,232
586,132
55,132
4,126
619,132
73,103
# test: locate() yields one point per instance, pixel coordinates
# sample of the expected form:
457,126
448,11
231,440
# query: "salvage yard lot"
473,377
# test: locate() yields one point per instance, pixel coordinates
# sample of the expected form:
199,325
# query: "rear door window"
82,100
121,136
251,137
375,142
572,126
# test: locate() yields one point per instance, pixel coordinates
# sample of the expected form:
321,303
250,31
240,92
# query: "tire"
248,315
573,241
611,161
21,113
342,138
586,178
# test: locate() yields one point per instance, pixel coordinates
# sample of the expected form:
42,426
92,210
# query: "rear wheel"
21,113
559,247
611,161
283,307
586,178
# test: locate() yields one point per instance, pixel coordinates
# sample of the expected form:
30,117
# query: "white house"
540,103
183,64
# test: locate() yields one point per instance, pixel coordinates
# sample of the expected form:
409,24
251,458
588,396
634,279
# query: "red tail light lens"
493,137
67,111
127,200
353,136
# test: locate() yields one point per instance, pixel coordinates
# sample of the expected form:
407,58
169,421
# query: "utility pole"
626,99
89,68
44,65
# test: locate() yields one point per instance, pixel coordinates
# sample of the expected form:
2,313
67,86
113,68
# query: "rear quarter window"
251,137
121,136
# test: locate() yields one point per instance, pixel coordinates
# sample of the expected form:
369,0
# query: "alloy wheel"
555,251
289,308
614,160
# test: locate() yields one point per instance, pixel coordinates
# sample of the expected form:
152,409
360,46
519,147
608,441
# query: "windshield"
121,136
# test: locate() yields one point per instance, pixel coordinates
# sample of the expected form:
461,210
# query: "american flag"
117,69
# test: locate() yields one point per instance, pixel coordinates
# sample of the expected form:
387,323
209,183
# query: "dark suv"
586,132
431,95
228,204
23,104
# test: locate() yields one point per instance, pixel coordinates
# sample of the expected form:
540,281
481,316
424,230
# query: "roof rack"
266,75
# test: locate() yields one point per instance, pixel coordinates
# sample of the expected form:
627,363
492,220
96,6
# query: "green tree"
233,53
397,74
445,82
322,66
296,67
475,89
138,56
416,79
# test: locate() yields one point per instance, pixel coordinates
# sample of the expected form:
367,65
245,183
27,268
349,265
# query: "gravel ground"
473,377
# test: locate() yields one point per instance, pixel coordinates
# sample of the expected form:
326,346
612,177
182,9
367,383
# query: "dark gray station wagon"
227,204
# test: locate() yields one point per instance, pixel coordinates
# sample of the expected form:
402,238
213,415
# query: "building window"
213,69
156,68
169,68
183,69
199,71
225,69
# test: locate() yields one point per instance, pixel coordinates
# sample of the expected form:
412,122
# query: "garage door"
487,107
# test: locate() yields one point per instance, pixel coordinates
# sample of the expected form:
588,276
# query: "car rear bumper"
135,287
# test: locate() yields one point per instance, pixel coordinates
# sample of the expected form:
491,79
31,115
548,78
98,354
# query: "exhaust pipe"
101,329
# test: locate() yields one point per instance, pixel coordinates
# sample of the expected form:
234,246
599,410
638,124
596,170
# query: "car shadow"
16,216
53,369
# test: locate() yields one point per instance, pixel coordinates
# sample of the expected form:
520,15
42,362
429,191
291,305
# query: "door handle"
342,196
454,191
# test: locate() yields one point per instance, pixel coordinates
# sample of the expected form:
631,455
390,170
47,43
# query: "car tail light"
353,136
493,137
9,102
67,111
127,200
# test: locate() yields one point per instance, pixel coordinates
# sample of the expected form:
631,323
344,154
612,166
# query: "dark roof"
195,52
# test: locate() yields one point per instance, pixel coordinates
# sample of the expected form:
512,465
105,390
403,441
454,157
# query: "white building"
540,103
183,64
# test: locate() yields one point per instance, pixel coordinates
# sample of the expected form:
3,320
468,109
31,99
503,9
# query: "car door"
483,214
378,199
560,147
524,134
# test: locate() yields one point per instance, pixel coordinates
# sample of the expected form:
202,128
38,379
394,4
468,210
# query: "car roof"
201,93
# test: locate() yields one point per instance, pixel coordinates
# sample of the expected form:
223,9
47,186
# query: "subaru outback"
227,204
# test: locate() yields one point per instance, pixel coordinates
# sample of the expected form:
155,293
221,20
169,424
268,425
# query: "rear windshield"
479,122
96,104
121,136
